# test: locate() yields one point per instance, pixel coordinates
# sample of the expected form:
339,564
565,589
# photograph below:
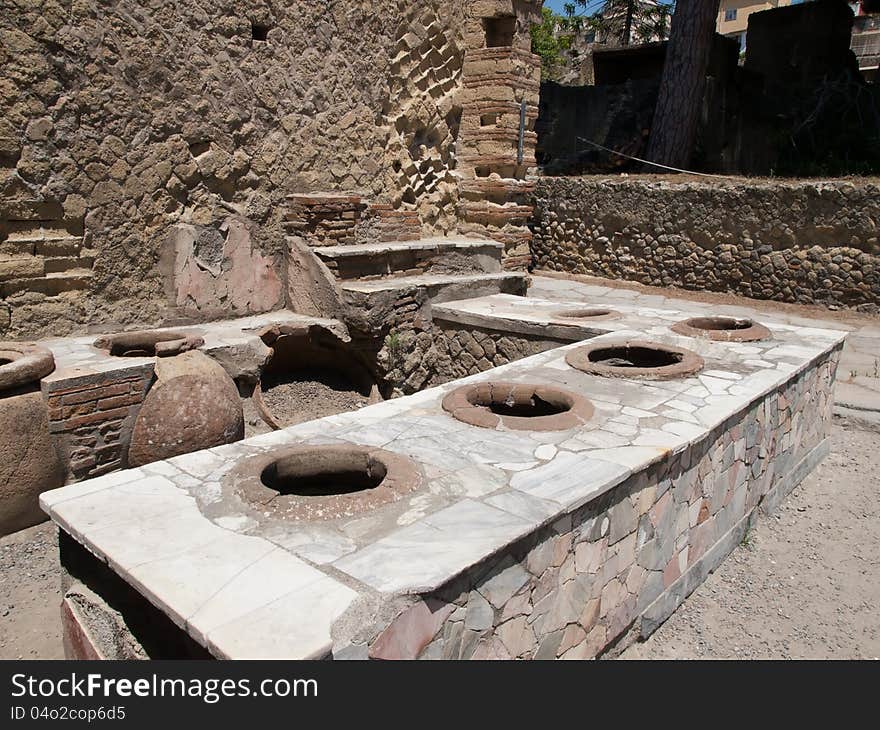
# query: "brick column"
500,75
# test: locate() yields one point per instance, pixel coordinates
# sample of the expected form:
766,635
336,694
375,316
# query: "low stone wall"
792,241
617,567
446,352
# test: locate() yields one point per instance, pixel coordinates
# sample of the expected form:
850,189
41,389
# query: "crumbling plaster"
128,122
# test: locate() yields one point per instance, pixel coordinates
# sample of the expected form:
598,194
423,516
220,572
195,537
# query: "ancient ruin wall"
419,359
800,241
147,149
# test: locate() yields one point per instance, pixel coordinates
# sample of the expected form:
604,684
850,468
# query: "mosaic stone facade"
620,565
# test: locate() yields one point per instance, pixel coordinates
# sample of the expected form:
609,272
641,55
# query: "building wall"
744,8
792,241
147,149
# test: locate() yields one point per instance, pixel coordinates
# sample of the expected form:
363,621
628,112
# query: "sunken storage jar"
193,405
29,461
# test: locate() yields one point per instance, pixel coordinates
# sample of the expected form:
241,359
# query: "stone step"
31,245
437,287
52,284
434,256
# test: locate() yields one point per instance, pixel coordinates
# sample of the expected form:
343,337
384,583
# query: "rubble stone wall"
419,359
616,568
147,149
791,241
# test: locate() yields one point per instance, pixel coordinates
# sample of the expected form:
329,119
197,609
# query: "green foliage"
549,44
615,22
393,343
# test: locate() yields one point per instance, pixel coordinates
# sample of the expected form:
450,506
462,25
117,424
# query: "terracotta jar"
193,405
29,460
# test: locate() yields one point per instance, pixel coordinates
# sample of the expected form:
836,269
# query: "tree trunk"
677,115
628,22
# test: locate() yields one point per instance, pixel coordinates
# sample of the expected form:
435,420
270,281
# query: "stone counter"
516,543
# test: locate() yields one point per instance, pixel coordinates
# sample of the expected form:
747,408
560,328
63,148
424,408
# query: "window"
499,31
729,14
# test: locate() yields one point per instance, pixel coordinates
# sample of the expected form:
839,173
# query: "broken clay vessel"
29,461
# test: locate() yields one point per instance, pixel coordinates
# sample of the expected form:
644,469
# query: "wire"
648,162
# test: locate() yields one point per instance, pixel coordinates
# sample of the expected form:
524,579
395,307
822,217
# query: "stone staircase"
443,268
43,257
438,256
387,283
391,283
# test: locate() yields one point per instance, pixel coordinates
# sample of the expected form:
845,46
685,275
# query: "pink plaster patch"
245,282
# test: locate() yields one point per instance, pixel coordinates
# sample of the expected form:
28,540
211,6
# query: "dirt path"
30,595
806,582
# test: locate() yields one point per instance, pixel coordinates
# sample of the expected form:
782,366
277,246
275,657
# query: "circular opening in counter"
307,474
148,343
635,359
324,482
518,406
594,313
723,329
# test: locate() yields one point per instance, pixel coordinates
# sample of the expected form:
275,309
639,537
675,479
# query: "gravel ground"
805,582
30,595
310,394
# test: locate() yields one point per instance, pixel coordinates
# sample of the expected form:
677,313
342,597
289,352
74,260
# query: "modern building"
733,16
733,21
866,43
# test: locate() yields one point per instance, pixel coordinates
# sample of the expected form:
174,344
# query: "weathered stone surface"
590,555
624,518
411,632
793,241
226,125
29,463
490,648
571,637
232,277
501,587
548,646
193,405
480,615
517,636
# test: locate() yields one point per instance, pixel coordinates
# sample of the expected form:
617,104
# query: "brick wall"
92,417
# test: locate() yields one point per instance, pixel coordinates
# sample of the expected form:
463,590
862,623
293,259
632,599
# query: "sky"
557,6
